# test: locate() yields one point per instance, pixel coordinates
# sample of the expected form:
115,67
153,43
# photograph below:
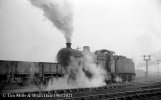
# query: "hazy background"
129,27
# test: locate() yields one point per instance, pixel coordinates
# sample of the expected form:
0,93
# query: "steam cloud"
59,12
76,76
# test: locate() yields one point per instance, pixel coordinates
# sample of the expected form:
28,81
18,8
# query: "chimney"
68,45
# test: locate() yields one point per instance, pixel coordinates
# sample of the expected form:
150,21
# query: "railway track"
112,91
116,95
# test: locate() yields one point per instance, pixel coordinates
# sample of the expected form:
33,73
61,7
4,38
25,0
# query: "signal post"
158,62
146,59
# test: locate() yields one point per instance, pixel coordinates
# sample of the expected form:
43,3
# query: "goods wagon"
5,69
22,67
21,71
48,70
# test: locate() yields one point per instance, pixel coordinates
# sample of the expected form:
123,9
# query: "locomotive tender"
41,72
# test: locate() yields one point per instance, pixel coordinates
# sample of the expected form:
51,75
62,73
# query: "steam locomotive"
40,72
115,65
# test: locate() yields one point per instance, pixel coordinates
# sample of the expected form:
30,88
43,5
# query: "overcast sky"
128,27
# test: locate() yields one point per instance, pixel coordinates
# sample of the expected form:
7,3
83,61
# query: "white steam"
76,77
118,79
59,12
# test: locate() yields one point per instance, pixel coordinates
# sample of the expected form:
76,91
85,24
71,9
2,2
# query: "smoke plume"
59,12
76,77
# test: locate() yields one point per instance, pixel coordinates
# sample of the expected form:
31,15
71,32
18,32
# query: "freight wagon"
21,71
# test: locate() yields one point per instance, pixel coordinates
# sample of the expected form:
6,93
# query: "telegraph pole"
158,62
146,59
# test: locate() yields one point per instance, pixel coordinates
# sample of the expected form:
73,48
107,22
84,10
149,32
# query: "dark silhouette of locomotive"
41,72
115,65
